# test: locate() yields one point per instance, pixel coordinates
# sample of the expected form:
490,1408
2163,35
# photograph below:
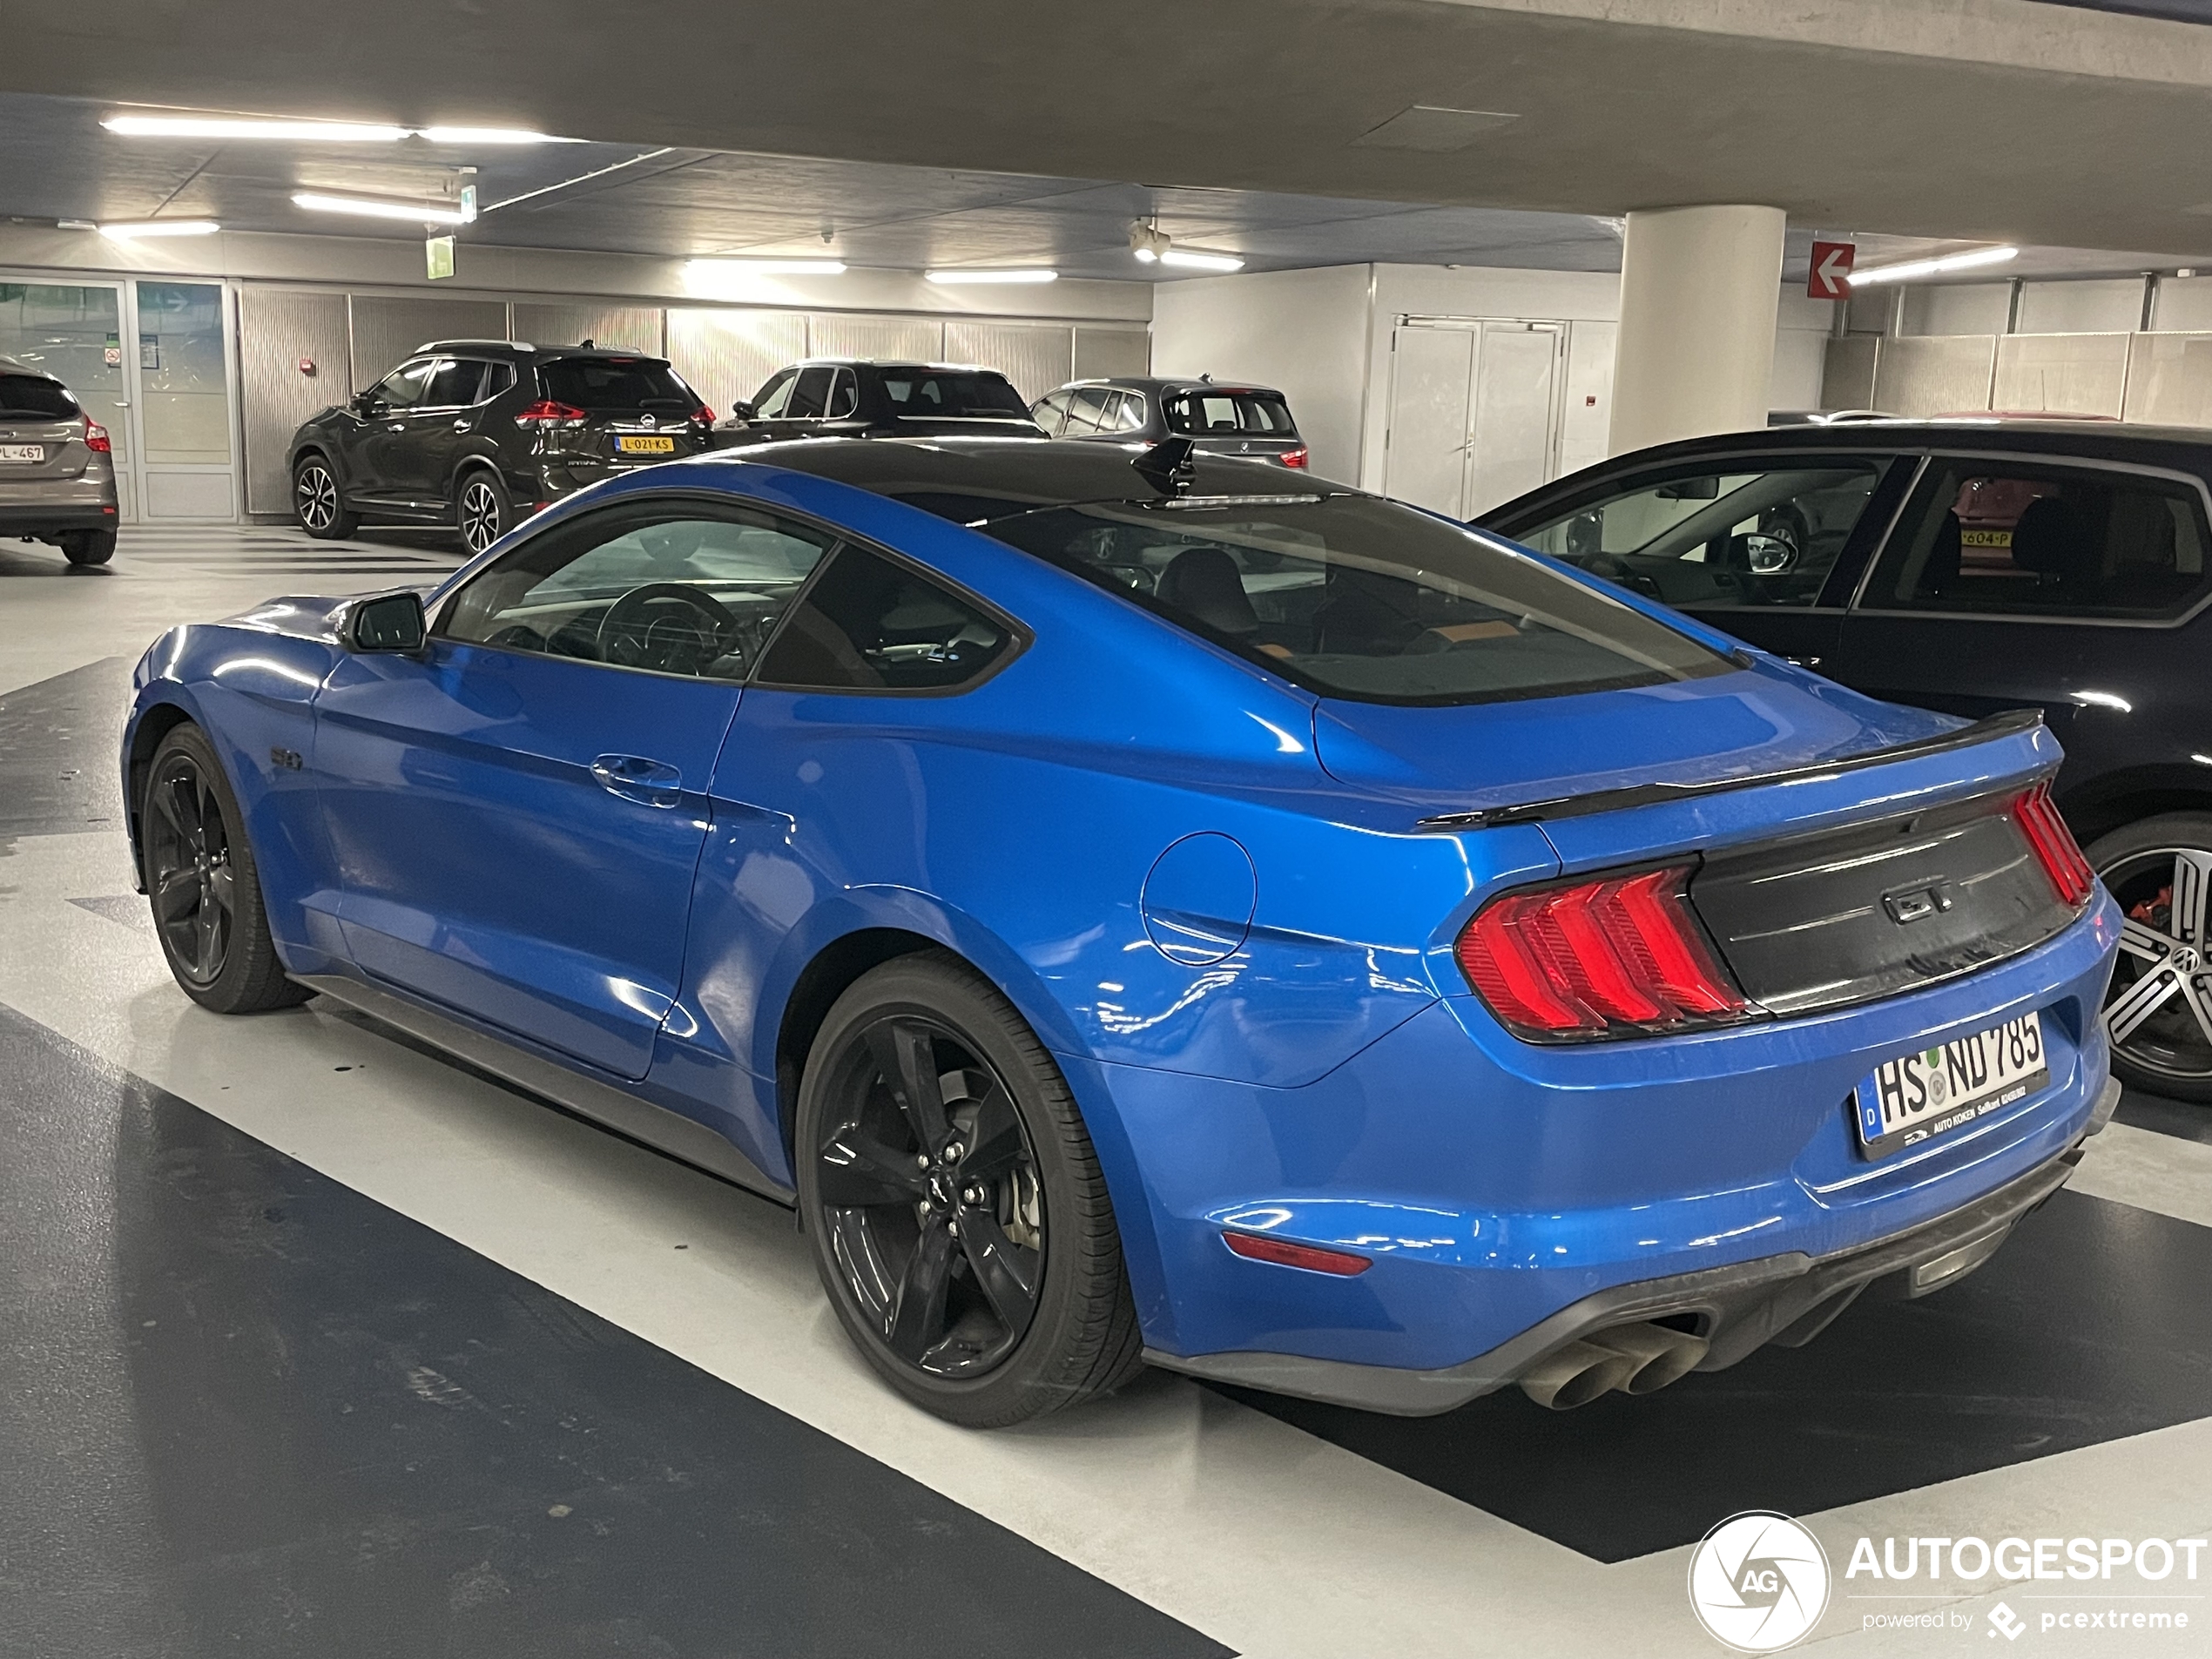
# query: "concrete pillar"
1699,290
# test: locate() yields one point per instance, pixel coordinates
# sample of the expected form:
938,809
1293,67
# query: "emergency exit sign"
1831,278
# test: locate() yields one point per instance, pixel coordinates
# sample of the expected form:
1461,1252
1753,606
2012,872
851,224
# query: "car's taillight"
1618,957
96,440
2055,847
1294,457
546,412
702,416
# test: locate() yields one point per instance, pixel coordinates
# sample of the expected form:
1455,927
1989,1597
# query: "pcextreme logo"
1759,1581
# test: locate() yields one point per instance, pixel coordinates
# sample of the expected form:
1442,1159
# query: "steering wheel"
667,625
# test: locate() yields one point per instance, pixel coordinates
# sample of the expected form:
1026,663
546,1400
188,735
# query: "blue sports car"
1140,906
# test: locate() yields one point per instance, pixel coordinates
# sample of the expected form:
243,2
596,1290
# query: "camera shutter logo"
1758,1583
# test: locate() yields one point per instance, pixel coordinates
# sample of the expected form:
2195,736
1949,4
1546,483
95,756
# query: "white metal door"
184,440
1512,443
1432,374
74,331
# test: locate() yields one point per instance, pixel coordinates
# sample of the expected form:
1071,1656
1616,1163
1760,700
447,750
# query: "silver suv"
57,467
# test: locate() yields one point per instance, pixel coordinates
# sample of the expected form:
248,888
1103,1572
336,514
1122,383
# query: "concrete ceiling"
1997,119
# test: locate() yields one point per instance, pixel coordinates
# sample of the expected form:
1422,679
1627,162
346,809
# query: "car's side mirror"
362,404
386,622
742,410
1761,554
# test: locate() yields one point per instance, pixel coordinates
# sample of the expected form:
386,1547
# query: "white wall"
1801,330
1304,332
2105,306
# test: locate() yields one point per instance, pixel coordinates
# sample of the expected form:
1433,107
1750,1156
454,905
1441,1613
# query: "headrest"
1203,582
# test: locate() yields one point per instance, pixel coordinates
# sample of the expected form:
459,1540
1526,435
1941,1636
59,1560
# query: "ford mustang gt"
1157,909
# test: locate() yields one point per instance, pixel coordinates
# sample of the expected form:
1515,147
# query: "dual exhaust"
1639,1359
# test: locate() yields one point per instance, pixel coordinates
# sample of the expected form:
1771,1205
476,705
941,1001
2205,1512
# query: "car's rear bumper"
1787,1298
47,518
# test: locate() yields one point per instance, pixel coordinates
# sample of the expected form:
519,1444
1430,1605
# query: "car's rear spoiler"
2009,724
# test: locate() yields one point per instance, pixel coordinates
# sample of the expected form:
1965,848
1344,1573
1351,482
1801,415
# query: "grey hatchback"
1228,419
57,467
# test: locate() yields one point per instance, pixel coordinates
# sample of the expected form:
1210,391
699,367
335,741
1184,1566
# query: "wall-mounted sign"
1832,263
438,251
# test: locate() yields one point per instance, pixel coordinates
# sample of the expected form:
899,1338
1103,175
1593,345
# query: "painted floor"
315,1344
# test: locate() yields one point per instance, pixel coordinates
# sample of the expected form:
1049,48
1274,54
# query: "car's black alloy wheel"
2159,1011
205,889
483,510
316,502
955,1207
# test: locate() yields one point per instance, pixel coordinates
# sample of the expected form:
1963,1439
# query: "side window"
872,626
498,378
2031,539
1086,407
775,395
1051,414
1754,535
809,395
660,586
453,384
1130,416
403,387
844,396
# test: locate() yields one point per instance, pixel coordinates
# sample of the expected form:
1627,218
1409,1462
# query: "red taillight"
96,440
546,412
1612,957
1258,1247
2055,847
1294,457
702,416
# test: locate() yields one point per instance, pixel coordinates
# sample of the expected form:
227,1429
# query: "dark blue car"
1164,911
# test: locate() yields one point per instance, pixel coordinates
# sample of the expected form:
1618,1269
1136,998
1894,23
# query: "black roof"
1164,384
520,349
948,475
2186,448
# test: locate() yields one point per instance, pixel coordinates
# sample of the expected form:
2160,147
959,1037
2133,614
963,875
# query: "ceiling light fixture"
1153,246
131,230
224,126
487,135
1192,258
954,277
764,267
1912,268
367,208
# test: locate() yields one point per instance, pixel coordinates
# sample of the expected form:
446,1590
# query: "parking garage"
1403,850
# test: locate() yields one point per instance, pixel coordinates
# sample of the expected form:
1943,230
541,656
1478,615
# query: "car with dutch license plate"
869,397
57,467
1158,908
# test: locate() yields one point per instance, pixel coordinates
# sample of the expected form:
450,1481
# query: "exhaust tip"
1574,1374
1656,1355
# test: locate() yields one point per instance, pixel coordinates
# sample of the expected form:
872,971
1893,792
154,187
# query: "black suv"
479,433
1971,566
1221,420
861,397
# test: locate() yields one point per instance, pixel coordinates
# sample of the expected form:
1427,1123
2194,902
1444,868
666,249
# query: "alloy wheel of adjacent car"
483,512
2159,1011
316,502
957,1213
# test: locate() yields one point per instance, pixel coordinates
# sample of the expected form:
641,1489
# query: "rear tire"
483,510
965,1238
318,503
87,548
203,885
2159,1014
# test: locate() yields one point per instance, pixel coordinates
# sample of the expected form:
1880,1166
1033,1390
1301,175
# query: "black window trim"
1021,636
1934,454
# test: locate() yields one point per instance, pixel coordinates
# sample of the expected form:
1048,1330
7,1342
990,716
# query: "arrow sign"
1832,263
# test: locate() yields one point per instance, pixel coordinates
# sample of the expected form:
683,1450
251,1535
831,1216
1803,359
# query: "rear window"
615,383
1243,415
34,395
929,391
1356,598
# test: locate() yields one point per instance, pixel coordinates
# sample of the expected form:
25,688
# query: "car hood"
1477,756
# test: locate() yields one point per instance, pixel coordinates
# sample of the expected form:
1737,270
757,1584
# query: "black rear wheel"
205,889
2159,1011
87,548
317,503
483,510
959,1219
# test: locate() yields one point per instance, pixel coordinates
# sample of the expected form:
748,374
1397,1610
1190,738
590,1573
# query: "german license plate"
23,454
630,446
1933,1091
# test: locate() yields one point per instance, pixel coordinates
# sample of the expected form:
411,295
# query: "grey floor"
316,1344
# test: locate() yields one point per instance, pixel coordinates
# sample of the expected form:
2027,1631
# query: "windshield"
615,383
952,393
1237,415
1354,596
36,395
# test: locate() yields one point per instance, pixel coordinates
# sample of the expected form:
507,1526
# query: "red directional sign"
1831,278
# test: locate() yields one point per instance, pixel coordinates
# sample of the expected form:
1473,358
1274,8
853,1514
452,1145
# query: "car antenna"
1167,465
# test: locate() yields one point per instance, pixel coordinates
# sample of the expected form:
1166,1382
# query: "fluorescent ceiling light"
992,276
487,135
162,228
1190,258
412,213
1912,268
764,267
224,126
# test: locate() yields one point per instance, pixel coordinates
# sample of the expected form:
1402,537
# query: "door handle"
462,425
1803,662
650,783
396,426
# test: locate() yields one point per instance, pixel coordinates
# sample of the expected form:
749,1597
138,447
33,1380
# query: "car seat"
1204,583
2051,540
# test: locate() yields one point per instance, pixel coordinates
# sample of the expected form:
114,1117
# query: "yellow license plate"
646,446
1985,538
